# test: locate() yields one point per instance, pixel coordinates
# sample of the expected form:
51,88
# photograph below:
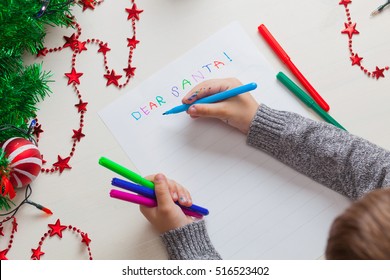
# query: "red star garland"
3,253
57,229
350,30
77,46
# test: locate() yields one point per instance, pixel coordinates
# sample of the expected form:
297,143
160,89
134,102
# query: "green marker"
305,98
128,174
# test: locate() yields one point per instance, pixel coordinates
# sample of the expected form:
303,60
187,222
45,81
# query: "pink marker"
148,202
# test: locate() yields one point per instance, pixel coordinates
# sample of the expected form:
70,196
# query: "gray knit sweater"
343,162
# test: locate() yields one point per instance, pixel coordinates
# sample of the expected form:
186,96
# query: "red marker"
286,60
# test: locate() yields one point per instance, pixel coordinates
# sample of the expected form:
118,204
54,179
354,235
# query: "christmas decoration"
22,29
350,29
57,229
3,253
77,45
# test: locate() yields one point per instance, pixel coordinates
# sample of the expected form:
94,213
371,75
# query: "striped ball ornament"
25,161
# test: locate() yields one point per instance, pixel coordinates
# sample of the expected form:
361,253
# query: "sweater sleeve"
333,157
190,242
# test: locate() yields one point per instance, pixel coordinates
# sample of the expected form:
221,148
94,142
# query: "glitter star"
57,228
42,52
378,73
3,255
350,29
82,106
129,71
132,42
14,225
85,239
103,48
62,163
356,59
77,134
73,76
133,12
80,46
345,2
112,78
37,253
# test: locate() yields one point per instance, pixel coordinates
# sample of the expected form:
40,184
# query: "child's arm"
184,237
343,162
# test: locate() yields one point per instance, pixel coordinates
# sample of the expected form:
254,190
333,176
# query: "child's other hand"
167,215
237,111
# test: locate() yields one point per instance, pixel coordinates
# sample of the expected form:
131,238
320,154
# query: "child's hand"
167,215
237,111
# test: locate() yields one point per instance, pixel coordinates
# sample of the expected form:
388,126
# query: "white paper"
259,208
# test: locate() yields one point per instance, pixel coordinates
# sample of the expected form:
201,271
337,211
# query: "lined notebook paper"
259,207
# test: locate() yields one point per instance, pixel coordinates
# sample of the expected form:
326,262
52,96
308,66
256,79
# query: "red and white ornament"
25,161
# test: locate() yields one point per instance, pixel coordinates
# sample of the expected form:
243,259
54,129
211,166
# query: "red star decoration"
71,42
73,76
132,42
345,2
1,231
37,130
129,71
85,239
14,226
350,29
103,48
356,59
37,253
112,78
378,73
88,4
42,52
3,255
80,46
77,134
62,163
133,12
82,106
57,228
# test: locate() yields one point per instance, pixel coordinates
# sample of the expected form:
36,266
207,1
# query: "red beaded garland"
78,47
350,30
3,253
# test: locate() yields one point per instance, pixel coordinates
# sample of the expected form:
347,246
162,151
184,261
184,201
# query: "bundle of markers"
142,190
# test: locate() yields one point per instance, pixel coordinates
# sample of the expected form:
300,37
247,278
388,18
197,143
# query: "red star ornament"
43,161
57,228
345,2
378,73
14,225
73,76
85,239
129,71
133,12
132,42
62,163
80,46
356,60
88,4
71,42
1,231
37,130
112,78
350,29
103,48
42,52
3,255
82,106
77,134
37,253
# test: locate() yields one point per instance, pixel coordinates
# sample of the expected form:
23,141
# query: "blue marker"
214,98
147,192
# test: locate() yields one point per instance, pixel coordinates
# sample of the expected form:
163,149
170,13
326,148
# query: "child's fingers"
204,89
215,110
163,195
184,196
